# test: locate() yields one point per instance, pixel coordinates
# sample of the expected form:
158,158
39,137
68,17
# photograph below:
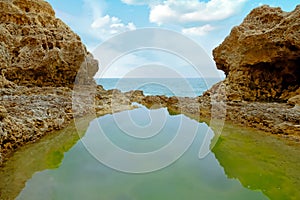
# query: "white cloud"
102,21
103,27
92,24
186,11
198,31
141,2
107,26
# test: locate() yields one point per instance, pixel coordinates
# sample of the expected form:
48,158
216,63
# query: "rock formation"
261,57
38,49
261,60
40,60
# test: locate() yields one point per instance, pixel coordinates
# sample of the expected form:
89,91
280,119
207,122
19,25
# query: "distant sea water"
182,87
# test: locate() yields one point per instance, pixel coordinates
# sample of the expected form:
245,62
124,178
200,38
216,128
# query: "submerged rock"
261,57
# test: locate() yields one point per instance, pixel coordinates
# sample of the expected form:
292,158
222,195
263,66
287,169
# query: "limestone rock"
4,83
261,57
294,100
3,113
38,49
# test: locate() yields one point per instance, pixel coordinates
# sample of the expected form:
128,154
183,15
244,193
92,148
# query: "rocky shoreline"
275,118
46,92
27,114
30,113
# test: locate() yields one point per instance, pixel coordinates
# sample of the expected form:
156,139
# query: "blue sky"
207,22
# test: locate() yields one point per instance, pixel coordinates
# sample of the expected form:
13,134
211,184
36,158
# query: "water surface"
245,164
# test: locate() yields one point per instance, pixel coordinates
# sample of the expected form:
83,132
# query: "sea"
181,87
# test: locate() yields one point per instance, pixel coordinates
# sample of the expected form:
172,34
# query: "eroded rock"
3,114
261,57
38,49
294,101
40,60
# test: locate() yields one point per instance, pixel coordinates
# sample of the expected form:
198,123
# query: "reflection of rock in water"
260,162
46,154
260,59
41,112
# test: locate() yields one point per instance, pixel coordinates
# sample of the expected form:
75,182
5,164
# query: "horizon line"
157,77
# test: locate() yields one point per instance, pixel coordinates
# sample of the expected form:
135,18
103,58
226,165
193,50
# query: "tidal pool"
244,164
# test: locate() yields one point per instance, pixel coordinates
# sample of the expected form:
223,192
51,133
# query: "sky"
204,22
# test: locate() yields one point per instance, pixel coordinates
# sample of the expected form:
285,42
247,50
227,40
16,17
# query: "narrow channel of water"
244,164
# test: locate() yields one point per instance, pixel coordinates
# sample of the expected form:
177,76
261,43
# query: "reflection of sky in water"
81,176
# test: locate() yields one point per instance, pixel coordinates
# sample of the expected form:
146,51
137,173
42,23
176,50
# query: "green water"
244,164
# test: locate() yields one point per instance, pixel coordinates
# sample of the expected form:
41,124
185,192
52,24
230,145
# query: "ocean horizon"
181,87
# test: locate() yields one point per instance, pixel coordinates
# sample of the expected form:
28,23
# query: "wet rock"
287,128
135,96
154,101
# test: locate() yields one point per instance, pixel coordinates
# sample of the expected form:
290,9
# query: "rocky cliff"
40,59
261,57
38,49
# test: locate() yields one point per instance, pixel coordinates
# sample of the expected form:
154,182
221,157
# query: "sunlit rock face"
38,49
261,57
